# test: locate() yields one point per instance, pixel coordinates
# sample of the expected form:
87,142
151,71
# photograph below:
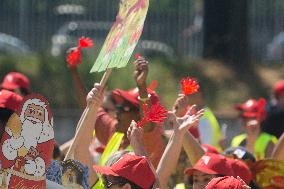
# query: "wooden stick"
89,112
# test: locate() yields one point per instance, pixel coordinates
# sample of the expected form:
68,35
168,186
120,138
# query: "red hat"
224,183
278,88
15,80
242,170
10,100
134,168
211,163
132,96
253,108
210,149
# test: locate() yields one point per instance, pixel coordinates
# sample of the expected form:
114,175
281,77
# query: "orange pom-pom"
189,86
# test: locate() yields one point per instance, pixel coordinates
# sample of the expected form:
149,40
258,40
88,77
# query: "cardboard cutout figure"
27,145
70,174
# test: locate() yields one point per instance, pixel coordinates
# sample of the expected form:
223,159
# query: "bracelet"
144,99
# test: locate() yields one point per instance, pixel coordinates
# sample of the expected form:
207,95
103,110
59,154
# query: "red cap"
211,163
242,170
210,149
134,168
15,80
10,100
132,96
278,88
253,108
224,183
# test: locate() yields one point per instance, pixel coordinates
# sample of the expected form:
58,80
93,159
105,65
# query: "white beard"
31,133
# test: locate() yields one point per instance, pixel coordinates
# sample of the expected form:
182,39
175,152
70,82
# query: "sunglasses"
124,108
108,183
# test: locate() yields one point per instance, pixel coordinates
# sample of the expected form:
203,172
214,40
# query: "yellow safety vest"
208,114
180,186
260,144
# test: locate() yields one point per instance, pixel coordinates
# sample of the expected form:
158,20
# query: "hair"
57,154
5,114
122,181
24,91
190,178
253,185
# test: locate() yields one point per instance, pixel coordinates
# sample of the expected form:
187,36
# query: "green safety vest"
260,144
208,114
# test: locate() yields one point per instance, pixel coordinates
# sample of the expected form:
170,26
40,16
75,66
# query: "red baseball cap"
227,182
132,96
210,149
253,108
10,100
211,163
278,88
15,80
134,168
241,169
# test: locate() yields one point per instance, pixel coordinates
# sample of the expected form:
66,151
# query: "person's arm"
82,154
140,77
135,136
192,148
269,149
171,154
278,151
191,145
80,90
153,140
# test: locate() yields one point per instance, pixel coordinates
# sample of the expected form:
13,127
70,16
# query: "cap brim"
249,114
10,86
126,97
190,171
104,170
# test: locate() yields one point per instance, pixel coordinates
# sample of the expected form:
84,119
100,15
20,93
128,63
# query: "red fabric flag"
189,86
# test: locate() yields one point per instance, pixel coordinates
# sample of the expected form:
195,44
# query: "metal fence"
177,24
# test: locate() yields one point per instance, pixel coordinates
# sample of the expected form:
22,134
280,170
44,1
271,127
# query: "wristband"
144,99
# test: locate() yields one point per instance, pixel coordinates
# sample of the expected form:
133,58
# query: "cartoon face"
27,143
36,112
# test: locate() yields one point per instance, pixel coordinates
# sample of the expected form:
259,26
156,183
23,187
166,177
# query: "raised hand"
180,105
190,119
95,95
135,136
141,71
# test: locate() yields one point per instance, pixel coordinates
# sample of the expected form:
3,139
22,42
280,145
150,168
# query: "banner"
123,36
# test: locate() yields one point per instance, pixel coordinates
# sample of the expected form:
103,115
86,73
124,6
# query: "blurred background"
234,48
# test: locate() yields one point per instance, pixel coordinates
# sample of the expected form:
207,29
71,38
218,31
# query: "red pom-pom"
137,56
153,85
74,58
189,86
157,113
85,42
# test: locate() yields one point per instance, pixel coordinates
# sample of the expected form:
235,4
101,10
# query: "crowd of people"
188,144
